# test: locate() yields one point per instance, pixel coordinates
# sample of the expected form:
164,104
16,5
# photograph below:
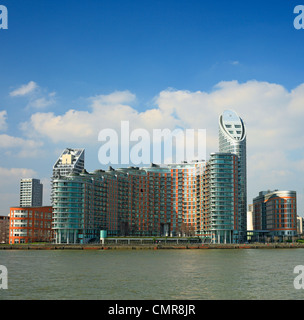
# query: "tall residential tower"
31,191
232,139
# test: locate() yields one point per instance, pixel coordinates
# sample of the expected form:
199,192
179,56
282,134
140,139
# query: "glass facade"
150,201
232,139
78,208
224,197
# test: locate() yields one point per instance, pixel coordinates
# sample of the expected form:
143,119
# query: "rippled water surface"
148,274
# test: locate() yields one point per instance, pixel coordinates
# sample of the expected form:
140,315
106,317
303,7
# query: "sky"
69,69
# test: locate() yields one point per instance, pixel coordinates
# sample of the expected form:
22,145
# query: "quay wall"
148,246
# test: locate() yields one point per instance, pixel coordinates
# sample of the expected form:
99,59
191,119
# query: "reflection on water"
147,274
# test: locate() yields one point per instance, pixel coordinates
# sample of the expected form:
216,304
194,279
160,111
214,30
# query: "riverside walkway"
147,246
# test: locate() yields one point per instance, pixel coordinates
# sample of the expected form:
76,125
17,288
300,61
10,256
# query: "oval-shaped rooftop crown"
232,124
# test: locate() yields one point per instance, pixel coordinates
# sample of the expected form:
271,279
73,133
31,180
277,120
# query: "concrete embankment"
148,246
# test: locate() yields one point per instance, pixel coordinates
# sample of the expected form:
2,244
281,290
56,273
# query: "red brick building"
30,224
276,211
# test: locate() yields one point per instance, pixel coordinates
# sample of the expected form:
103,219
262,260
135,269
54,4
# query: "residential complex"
202,198
133,201
31,193
199,198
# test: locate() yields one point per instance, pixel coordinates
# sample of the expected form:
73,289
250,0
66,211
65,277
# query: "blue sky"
146,46
67,54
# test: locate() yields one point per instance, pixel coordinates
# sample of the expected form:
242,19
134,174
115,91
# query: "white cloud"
117,97
269,110
7,141
23,148
24,89
16,146
3,124
16,174
104,111
273,116
235,63
38,98
42,102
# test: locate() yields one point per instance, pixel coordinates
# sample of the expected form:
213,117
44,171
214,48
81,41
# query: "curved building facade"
133,201
276,211
232,139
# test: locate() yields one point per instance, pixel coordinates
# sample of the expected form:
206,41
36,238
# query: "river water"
197,274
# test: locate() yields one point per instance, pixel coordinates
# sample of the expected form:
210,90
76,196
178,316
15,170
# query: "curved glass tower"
232,139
